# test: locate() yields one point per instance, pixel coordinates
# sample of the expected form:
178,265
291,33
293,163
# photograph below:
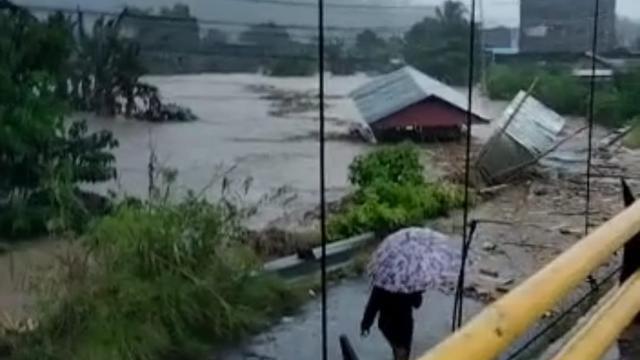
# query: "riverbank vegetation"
555,88
139,279
391,192
153,280
37,147
615,101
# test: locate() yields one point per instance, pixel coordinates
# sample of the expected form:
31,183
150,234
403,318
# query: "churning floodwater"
236,131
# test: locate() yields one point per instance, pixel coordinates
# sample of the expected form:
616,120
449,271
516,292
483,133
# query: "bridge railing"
493,330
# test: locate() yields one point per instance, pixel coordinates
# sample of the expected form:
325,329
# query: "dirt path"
18,267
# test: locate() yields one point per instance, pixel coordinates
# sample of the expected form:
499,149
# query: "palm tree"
107,66
451,12
128,71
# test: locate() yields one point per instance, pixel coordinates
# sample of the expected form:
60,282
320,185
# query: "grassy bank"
153,281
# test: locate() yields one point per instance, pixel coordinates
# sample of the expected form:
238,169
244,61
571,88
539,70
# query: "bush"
386,207
504,82
618,106
391,194
607,109
555,88
632,140
153,281
292,67
562,92
396,164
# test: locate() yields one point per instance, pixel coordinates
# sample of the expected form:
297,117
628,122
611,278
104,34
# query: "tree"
105,65
373,50
339,60
279,55
440,46
267,38
213,38
35,144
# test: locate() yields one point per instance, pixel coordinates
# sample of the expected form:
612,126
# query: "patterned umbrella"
414,260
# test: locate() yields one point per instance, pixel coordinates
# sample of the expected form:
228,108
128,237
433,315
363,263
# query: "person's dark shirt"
395,309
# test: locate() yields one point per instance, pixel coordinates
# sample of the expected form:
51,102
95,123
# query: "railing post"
628,340
631,255
347,350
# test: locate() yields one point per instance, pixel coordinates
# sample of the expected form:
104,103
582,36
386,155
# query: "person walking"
405,265
395,318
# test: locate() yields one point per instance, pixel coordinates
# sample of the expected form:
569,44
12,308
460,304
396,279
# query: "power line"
466,235
322,180
342,5
240,51
205,21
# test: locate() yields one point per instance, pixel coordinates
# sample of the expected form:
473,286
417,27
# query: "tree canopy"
439,46
35,142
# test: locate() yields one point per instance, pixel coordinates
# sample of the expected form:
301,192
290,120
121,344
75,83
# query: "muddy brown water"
237,129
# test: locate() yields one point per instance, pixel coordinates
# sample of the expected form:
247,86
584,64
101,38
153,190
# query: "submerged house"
526,131
407,104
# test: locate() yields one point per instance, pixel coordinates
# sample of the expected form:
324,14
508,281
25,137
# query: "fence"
491,332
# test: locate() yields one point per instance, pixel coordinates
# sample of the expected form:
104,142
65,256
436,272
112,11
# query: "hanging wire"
459,294
592,95
201,20
323,210
590,119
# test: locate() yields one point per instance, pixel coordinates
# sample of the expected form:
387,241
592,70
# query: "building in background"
501,40
565,25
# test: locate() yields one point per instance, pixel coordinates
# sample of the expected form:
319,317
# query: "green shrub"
153,281
556,88
562,92
292,67
607,109
632,140
396,164
391,194
504,82
617,106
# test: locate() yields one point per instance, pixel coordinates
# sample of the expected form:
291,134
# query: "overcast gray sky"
496,12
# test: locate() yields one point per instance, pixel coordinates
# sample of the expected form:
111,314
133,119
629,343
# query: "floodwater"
236,130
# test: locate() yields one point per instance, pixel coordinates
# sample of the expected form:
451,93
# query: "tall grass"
154,281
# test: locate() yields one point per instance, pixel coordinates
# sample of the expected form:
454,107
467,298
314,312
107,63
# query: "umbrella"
415,260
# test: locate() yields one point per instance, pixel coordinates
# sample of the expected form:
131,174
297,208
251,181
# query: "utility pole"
483,55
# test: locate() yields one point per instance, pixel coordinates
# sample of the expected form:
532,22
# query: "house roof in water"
534,126
392,92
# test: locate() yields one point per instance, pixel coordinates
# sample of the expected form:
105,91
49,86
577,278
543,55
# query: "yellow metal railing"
596,336
494,329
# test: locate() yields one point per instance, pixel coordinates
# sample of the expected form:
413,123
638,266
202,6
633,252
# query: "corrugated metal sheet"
392,92
532,131
535,126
